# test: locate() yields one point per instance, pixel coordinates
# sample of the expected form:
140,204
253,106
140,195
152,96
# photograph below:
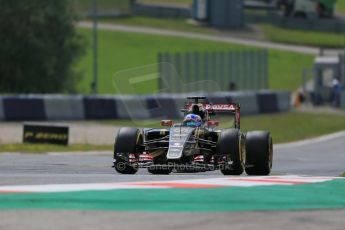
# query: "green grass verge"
119,51
44,148
294,126
286,69
340,6
284,127
301,37
84,7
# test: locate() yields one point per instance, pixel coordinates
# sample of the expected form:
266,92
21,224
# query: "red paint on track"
178,185
269,181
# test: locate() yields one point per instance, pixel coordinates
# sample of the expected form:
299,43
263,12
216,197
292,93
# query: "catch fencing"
211,72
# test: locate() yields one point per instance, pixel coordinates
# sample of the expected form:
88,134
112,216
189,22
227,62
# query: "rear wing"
233,108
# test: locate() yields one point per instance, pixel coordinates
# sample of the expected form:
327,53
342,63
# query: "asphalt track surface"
323,156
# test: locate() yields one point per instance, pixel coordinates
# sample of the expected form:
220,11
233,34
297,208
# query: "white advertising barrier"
61,107
284,101
248,102
132,107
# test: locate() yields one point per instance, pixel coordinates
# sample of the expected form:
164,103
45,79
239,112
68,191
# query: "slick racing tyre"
127,143
259,150
231,145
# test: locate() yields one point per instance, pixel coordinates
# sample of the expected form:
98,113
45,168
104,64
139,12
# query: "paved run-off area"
282,201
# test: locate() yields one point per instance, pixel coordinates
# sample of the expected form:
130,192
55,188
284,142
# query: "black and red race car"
194,149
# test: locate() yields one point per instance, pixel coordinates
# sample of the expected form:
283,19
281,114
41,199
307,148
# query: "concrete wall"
159,106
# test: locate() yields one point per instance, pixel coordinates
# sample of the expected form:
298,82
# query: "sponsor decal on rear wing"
216,107
221,107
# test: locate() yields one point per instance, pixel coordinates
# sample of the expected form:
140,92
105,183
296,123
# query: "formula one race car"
195,145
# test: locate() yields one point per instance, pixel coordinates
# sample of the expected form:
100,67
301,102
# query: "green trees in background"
38,46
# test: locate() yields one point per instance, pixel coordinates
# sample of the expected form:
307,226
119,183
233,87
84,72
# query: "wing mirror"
166,123
212,123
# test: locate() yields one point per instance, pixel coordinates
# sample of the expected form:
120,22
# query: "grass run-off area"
340,6
302,37
284,127
123,53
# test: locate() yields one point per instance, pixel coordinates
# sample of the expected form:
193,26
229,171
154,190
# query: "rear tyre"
128,142
259,153
231,145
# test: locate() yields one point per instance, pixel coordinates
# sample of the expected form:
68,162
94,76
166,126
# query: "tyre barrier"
159,106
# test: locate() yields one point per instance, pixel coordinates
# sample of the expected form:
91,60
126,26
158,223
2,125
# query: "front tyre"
259,151
230,146
127,148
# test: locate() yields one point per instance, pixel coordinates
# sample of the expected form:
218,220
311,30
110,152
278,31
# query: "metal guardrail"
165,106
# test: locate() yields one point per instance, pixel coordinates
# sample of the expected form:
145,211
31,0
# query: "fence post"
206,67
177,78
196,62
188,76
160,71
265,74
221,72
168,73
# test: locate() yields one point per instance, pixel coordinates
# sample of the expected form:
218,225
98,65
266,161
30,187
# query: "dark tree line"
38,46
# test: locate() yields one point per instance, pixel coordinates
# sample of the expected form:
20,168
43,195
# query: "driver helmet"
192,120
